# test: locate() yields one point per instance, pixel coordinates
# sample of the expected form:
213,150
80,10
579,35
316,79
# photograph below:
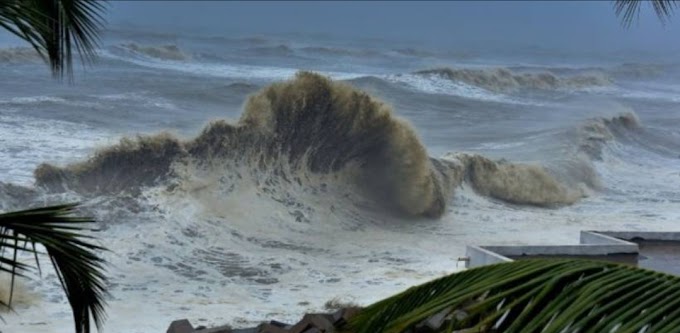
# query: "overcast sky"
568,24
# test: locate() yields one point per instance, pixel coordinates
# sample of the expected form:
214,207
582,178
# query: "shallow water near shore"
231,189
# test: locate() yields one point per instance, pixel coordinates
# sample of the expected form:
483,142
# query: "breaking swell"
309,132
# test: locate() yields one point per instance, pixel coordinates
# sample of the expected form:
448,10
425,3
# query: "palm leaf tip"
629,10
76,261
548,296
55,28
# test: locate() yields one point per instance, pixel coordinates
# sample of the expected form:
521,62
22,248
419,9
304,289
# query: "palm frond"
75,259
55,28
629,10
540,295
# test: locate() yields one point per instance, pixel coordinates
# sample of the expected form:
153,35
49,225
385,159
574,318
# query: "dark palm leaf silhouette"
540,295
56,28
74,257
629,10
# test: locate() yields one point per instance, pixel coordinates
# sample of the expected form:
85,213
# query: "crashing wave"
522,184
309,127
595,133
163,52
505,80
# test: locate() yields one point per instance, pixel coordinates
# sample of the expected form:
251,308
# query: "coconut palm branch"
550,296
56,28
72,254
629,10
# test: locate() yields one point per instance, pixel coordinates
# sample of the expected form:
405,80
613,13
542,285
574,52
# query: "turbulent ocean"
247,178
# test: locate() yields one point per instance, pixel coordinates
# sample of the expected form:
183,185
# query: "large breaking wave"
310,131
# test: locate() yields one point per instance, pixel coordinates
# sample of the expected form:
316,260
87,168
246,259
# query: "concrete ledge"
594,244
480,256
567,250
596,237
643,235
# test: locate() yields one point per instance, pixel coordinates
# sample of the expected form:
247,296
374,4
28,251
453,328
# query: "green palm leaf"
540,295
55,28
74,258
629,10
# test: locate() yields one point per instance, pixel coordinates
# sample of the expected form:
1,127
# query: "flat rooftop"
658,251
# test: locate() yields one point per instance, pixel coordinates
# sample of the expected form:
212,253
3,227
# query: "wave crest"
505,80
163,52
19,55
595,133
523,184
310,124
336,51
129,165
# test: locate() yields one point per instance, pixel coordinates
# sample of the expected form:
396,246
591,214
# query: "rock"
280,324
435,322
310,323
245,330
323,322
269,328
314,330
342,316
180,326
459,315
220,329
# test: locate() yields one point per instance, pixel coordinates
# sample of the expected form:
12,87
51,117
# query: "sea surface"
244,178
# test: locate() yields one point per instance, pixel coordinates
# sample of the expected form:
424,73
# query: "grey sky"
569,24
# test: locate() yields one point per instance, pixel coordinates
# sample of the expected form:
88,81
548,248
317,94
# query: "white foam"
32,100
267,73
100,101
639,176
324,260
342,251
649,94
500,145
26,141
435,84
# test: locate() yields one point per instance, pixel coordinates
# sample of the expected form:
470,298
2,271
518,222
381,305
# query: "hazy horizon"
577,26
